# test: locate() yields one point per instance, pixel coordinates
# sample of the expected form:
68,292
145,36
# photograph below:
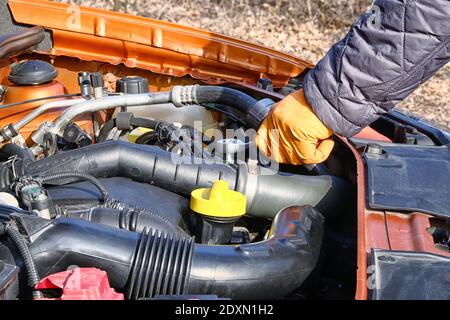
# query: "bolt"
374,149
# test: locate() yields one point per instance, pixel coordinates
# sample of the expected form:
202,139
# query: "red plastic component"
80,284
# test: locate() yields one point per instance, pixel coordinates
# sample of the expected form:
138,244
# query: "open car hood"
158,46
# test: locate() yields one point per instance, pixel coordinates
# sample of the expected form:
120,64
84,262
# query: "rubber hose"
148,263
10,171
155,263
226,96
268,269
134,122
132,218
22,247
255,111
266,192
80,176
144,122
142,163
10,149
106,129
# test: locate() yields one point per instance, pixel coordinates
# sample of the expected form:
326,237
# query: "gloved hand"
302,137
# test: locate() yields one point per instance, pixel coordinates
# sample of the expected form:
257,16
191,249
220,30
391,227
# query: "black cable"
147,138
24,251
83,176
122,206
5,106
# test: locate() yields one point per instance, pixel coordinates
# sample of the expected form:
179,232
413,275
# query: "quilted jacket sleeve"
384,57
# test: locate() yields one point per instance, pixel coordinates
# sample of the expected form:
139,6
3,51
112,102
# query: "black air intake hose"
268,269
153,263
126,256
127,217
266,192
141,163
161,266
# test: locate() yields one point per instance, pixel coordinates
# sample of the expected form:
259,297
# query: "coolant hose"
267,192
155,263
226,96
22,247
254,110
9,150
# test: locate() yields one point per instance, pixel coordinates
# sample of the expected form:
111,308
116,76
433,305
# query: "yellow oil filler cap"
218,201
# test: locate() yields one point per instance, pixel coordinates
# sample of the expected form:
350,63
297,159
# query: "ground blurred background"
304,28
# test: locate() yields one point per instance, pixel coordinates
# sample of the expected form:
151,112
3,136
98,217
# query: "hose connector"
8,132
97,84
184,95
84,81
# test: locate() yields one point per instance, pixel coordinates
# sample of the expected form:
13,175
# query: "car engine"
164,191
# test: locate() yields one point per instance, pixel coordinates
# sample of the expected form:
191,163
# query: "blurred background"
304,28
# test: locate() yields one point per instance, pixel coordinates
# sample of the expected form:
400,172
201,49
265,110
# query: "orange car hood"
158,46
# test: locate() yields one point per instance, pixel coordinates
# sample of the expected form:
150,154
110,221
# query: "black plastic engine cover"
82,195
407,275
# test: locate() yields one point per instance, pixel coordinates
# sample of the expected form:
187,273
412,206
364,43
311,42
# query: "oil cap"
217,209
32,72
218,201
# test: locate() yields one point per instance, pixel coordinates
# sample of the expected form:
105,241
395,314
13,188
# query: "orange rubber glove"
302,137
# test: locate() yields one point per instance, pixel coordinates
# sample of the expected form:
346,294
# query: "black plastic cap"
265,83
32,72
132,85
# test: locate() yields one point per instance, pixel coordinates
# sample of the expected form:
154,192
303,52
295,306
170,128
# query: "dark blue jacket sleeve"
384,57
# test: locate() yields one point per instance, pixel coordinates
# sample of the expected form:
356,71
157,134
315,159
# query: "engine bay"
165,191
